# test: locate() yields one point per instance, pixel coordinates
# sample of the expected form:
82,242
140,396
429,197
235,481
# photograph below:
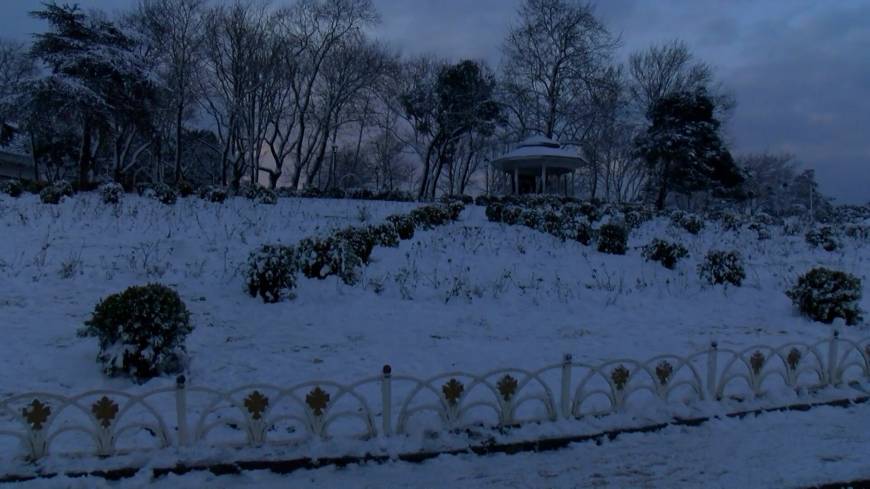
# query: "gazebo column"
516,181
544,179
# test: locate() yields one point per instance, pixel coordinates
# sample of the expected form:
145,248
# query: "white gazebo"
535,163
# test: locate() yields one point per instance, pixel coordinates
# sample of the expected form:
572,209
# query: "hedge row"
273,268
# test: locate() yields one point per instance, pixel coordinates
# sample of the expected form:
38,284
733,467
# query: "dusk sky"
799,68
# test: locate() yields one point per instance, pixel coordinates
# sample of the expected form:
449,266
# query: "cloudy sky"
800,69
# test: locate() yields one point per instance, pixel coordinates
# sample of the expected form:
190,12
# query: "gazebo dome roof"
536,152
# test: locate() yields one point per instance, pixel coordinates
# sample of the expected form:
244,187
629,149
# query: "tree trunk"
85,154
179,115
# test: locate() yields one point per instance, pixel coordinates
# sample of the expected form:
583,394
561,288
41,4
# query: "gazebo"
535,163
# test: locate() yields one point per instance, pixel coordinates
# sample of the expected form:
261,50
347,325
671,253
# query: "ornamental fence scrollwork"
109,422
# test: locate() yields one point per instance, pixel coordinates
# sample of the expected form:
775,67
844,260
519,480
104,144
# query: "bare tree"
553,58
667,68
241,54
319,34
174,29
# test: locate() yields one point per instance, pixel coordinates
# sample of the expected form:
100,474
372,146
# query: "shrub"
267,197
722,267
404,225
430,216
141,332
386,235
858,231
361,241
164,194
272,272
612,239
494,212
12,188
185,189
111,193
511,214
824,237
691,223
321,257
668,254
213,193
454,209
584,234
823,295
55,192
731,221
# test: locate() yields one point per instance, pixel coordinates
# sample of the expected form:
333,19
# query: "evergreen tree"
684,151
95,79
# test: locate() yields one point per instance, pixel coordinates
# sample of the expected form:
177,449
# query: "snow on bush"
690,222
361,241
185,189
430,216
272,272
160,192
141,332
823,295
213,193
323,257
722,267
404,225
111,193
12,188
55,192
823,237
664,252
612,239
386,235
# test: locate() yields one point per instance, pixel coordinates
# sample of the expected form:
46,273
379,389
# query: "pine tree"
683,149
95,78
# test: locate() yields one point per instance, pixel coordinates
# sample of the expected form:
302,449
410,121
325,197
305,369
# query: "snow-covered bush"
386,235
185,189
267,197
111,193
823,237
824,295
361,241
690,222
858,231
666,253
213,193
583,233
158,191
762,231
730,221
141,332
55,192
494,211
404,225
272,272
430,216
322,257
722,267
612,239
454,209
12,188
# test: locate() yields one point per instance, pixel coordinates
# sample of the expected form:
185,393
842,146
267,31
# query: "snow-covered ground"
470,296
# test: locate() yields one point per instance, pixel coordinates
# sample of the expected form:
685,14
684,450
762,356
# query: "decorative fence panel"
107,423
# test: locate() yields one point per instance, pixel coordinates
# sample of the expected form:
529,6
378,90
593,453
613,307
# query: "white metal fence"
107,422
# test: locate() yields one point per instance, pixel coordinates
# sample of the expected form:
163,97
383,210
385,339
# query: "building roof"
537,152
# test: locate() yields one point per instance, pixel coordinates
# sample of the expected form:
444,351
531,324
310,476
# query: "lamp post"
329,184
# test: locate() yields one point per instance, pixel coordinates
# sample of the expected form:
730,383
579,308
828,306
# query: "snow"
470,296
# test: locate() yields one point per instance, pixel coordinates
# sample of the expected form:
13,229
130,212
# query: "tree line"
302,94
